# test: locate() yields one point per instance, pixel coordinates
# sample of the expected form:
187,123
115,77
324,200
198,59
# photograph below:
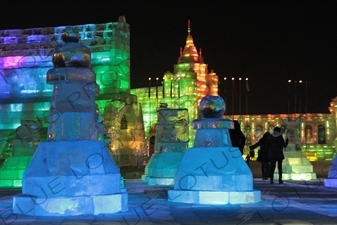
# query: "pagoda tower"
190,81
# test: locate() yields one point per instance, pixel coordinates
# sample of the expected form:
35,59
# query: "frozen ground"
300,203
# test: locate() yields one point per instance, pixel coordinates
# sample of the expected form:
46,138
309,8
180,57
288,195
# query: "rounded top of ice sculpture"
71,53
69,34
212,107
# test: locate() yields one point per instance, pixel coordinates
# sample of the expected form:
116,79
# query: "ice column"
212,171
72,173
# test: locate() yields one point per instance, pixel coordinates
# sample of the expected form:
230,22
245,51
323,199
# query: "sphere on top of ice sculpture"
212,107
71,53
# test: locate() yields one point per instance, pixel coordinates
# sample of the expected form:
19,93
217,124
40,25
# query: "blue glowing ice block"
72,173
212,171
171,142
331,181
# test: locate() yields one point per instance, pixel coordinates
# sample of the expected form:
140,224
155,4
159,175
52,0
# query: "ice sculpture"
125,128
331,181
171,142
296,165
72,173
213,172
25,58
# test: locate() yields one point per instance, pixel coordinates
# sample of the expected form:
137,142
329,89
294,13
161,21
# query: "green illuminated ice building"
25,58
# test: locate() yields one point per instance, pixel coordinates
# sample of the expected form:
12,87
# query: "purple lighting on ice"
13,61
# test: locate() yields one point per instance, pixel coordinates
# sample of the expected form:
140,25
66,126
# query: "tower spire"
189,27
200,52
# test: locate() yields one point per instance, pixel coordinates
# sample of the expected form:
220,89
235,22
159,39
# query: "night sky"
267,41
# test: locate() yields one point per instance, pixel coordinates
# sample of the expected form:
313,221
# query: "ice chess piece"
72,173
170,145
212,171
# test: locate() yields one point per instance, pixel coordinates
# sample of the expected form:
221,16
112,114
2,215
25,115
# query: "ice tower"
72,173
171,142
212,171
184,88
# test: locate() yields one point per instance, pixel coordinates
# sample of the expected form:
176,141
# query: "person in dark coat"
275,145
237,137
262,156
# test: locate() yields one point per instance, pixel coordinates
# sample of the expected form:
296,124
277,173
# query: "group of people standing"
270,152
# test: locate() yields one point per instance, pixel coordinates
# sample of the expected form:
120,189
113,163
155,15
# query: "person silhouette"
237,137
263,154
275,145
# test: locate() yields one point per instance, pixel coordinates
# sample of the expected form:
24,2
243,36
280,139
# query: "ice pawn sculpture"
212,171
72,173
170,145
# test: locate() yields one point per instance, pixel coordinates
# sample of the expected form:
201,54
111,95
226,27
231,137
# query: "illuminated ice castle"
190,81
25,58
184,88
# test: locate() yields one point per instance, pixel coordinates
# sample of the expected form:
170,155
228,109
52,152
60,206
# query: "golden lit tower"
193,72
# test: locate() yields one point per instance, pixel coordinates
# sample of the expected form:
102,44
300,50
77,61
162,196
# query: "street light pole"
300,96
289,94
240,96
306,97
225,88
295,96
247,90
233,92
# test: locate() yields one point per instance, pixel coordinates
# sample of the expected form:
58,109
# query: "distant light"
105,59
